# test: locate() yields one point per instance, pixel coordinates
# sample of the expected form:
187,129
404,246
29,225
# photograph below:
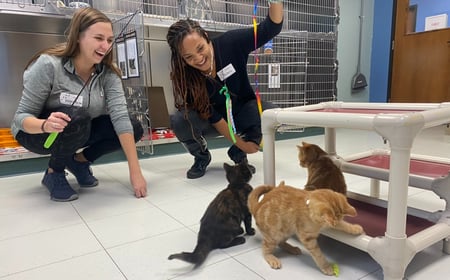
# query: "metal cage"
299,69
129,33
302,67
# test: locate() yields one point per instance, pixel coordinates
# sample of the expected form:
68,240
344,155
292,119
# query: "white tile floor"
109,234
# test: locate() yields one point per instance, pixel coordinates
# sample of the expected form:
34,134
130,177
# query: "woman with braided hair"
207,73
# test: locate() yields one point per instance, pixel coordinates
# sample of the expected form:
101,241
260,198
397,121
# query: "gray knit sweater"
51,82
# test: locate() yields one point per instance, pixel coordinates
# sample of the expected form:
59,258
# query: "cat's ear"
318,150
244,161
226,166
321,213
281,184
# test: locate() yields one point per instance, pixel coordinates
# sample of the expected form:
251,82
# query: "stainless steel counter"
21,36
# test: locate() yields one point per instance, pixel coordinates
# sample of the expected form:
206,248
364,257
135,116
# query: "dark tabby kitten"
220,226
322,172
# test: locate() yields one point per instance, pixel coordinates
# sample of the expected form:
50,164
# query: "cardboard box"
157,107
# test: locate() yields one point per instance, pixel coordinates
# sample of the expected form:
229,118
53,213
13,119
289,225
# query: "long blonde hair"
82,19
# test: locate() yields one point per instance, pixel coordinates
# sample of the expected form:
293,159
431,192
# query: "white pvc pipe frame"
395,250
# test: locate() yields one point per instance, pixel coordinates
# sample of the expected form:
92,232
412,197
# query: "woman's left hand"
248,147
139,185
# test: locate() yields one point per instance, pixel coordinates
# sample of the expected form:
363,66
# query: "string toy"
225,91
255,73
231,127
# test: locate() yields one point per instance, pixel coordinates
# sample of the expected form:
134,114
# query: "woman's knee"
177,121
33,142
188,126
75,134
179,124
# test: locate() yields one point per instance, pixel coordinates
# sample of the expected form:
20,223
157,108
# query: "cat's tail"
254,197
197,257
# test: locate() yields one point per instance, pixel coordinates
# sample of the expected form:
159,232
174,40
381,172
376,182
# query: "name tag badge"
226,72
67,99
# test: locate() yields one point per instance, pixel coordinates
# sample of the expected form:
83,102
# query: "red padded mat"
373,219
417,167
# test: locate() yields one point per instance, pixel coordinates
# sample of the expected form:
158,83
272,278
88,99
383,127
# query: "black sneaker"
198,169
83,172
59,188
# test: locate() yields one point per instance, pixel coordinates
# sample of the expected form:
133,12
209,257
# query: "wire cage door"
301,66
129,50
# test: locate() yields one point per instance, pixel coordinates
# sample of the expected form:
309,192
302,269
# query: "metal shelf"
19,156
30,155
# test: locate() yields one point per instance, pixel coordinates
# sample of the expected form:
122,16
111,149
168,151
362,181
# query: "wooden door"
421,62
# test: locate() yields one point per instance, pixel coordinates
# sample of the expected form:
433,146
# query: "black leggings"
190,130
97,136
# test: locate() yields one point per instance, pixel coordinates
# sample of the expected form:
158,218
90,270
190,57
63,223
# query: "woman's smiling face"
95,42
197,52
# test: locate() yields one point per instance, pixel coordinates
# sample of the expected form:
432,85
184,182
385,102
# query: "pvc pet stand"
399,123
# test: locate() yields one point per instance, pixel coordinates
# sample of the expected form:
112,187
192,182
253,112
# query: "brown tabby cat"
220,226
322,172
285,211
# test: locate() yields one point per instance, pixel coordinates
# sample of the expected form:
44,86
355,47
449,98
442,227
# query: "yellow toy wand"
255,30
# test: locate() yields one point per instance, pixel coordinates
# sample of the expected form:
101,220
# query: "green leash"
230,121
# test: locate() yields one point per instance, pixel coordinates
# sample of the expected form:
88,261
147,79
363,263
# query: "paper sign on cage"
122,59
132,57
274,75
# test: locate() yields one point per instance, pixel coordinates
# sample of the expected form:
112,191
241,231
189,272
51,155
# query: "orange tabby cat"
285,211
322,172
